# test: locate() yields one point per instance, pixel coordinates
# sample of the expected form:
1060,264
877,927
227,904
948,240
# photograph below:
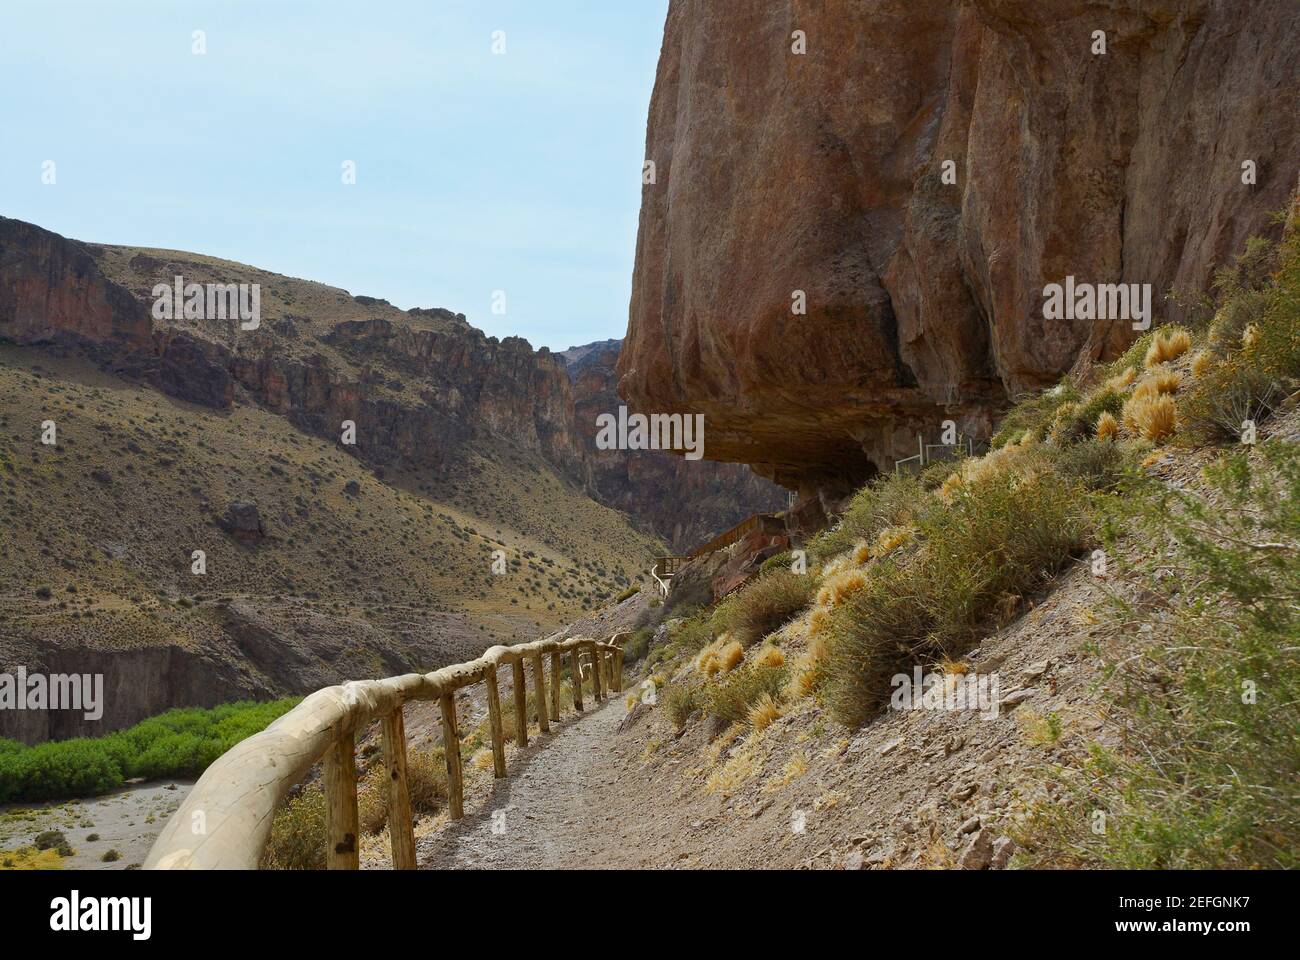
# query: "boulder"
243,521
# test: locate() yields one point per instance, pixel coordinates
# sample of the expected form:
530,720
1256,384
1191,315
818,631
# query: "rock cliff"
821,174
683,502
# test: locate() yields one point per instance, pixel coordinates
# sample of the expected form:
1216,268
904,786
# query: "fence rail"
225,821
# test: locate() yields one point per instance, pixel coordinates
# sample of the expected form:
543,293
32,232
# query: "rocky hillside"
323,560
423,387
683,502
823,171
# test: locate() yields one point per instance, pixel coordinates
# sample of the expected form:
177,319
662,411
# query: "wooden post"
451,749
401,825
341,827
494,722
618,671
597,689
577,680
539,694
521,703
555,685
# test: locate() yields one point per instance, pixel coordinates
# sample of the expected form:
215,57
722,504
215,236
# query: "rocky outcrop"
683,502
51,290
782,175
243,522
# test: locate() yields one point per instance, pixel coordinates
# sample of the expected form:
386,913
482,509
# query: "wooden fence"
225,820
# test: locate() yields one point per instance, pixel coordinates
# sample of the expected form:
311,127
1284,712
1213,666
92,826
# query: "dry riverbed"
125,821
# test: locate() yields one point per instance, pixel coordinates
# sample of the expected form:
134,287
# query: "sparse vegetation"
1207,779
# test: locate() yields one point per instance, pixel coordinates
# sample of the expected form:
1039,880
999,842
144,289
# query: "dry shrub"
763,606
890,539
768,656
1107,427
1162,380
426,779
1122,381
841,585
1201,363
1152,417
297,840
372,802
730,656
1166,346
763,711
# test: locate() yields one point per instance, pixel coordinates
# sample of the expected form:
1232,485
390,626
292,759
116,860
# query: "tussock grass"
763,606
1153,417
1001,534
1167,345
1107,427
732,699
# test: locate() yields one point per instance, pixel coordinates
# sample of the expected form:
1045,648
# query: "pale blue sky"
475,172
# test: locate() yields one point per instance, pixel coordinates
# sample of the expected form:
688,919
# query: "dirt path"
552,810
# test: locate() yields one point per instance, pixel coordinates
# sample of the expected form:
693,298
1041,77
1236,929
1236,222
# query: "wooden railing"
225,820
738,532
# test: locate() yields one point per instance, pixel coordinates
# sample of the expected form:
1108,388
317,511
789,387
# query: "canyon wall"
420,385
823,172
683,502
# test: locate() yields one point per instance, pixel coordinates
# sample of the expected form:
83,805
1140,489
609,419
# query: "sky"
476,171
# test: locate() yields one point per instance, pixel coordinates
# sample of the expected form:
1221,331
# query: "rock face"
823,172
683,502
52,290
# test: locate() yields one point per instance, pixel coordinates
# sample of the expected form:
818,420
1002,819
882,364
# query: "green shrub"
1001,536
1207,778
762,606
637,644
297,840
179,743
1097,464
691,635
888,501
631,591
1227,396
780,561
1035,413
730,699
681,700
1261,290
